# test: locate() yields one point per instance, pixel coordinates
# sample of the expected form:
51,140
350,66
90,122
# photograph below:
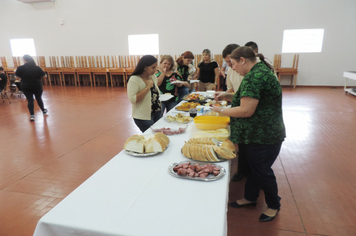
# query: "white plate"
194,81
170,129
177,82
165,97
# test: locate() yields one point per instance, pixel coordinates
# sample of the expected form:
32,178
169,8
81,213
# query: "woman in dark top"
257,127
31,76
168,82
184,68
207,72
3,79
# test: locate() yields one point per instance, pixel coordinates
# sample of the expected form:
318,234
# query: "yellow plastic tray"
211,122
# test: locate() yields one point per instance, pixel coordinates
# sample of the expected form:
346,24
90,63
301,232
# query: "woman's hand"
186,84
149,83
216,108
223,96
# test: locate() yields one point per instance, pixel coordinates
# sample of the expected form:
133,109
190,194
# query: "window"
302,40
142,44
20,47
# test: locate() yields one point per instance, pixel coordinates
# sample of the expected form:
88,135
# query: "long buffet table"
137,196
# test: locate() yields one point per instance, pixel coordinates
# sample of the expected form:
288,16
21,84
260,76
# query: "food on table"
187,105
212,113
207,150
169,131
219,134
194,96
139,144
215,103
180,118
196,170
135,143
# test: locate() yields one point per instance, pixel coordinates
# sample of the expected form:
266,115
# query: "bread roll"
135,143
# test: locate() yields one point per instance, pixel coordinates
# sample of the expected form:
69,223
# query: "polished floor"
41,162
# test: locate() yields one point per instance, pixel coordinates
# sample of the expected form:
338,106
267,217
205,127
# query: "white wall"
101,27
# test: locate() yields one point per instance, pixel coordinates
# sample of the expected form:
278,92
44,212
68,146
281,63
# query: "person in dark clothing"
3,79
30,76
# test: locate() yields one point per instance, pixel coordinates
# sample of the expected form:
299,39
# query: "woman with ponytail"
31,76
257,128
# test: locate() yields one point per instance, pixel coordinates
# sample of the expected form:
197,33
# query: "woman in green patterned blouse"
257,127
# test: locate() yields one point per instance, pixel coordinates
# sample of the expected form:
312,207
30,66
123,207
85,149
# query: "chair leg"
111,80
295,81
107,82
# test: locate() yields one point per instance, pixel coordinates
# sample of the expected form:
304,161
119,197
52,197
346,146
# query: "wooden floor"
41,162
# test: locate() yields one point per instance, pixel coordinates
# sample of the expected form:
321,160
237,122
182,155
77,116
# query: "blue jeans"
143,125
182,91
259,174
168,105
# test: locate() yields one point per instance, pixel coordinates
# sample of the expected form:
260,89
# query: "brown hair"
248,54
168,58
187,54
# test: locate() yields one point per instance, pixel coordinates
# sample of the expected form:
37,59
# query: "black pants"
259,174
29,92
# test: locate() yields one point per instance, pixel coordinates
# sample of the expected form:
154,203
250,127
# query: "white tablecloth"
137,196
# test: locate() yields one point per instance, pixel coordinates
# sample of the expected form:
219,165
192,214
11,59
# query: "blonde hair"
169,59
207,51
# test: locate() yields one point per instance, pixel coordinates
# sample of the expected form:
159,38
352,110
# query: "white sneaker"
32,118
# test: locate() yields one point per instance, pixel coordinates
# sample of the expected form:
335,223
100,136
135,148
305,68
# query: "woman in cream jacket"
143,93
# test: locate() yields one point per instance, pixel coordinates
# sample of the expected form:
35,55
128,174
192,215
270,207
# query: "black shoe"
237,177
266,218
236,205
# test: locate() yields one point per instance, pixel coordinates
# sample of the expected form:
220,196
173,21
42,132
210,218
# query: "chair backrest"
218,58
41,61
295,61
278,61
16,61
4,62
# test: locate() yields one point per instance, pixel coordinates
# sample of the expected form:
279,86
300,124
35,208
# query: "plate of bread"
209,150
146,145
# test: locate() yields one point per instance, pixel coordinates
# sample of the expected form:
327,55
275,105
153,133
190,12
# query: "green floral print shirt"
266,125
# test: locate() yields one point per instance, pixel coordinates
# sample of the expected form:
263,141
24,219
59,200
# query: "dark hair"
252,45
248,54
1,68
29,59
228,49
146,60
187,54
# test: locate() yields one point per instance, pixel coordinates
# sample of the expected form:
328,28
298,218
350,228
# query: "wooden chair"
8,70
69,70
197,59
41,62
54,70
115,70
83,69
4,95
100,69
128,73
292,71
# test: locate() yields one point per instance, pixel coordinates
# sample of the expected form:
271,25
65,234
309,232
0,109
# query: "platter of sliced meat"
196,171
